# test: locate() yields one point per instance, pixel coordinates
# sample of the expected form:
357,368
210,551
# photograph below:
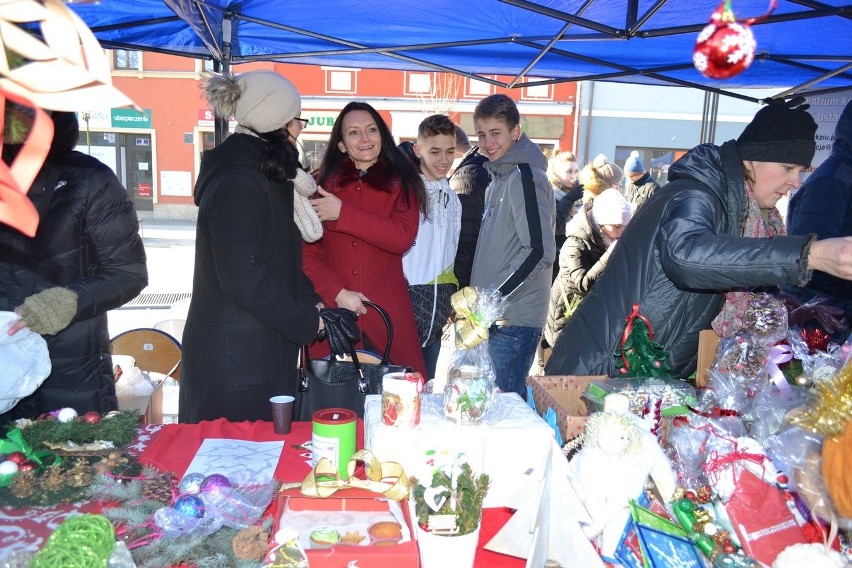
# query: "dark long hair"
280,158
412,183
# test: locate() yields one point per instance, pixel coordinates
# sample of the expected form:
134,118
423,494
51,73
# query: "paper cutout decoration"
66,69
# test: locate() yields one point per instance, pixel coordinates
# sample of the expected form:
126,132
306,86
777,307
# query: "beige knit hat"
263,101
601,174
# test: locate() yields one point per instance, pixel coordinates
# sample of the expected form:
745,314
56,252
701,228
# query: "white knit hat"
611,208
263,101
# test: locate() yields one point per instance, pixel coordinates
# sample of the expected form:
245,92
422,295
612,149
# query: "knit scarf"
759,223
303,187
303,213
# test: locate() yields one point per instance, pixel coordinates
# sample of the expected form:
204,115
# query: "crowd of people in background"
571,247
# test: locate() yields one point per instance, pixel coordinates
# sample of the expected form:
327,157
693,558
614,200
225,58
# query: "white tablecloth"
516,448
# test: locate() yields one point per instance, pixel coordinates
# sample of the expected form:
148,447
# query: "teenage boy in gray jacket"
516,246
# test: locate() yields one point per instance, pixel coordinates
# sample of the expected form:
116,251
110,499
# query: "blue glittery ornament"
189,505
214,482
191,483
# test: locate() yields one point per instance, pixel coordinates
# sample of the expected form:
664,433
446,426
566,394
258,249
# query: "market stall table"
171,447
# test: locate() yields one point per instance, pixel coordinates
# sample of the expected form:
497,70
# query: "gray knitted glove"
49,311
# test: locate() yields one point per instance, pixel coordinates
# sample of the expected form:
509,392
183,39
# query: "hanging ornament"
726,47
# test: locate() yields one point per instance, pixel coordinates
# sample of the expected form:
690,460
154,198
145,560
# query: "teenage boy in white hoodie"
428,264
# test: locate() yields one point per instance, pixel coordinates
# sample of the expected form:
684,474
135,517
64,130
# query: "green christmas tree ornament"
639,355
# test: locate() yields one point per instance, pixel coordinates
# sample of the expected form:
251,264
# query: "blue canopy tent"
803,47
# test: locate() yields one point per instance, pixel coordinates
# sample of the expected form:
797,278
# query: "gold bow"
470,330
324,479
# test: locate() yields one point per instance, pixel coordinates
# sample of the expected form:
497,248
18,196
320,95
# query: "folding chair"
173,327
155,351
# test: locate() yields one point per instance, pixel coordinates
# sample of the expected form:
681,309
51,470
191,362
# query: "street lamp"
86,116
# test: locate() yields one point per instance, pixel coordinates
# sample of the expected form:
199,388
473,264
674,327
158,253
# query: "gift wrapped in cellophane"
471,381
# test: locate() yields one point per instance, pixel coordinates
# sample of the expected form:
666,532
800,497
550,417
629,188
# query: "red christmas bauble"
17,457
28,465
724,48
92,417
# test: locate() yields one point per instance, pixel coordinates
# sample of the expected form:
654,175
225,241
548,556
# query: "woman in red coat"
370,196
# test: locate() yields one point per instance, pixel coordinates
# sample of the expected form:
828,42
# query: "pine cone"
23,485
159,488
53,479
250,543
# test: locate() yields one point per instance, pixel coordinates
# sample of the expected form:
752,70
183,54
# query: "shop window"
656,160
127,60
312,152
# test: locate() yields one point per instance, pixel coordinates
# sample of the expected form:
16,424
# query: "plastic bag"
766,318
471,380
24,359
237,502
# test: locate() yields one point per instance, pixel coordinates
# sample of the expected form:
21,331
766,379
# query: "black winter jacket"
681,251
469,182
252,306
87,242
582,260
824,206
639,192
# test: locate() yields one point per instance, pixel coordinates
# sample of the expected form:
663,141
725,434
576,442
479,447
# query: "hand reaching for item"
833,256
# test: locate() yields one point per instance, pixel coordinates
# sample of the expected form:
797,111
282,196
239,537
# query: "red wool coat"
362,252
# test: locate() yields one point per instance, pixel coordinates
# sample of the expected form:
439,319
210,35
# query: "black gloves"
341,329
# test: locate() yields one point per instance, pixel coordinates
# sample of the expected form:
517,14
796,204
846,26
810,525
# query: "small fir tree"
639,355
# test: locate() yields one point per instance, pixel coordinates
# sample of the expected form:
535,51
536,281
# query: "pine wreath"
139,498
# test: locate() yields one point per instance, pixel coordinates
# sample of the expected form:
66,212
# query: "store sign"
129,118
319,121
144,190
206,117
94,119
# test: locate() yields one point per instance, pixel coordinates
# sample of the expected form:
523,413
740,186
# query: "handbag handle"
363,383
388,326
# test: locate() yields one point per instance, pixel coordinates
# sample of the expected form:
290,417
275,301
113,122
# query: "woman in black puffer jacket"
692,252
88,258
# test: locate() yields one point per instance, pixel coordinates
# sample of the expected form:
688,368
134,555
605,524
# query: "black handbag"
331,383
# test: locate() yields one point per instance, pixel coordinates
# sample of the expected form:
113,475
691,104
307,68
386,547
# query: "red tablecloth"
171,447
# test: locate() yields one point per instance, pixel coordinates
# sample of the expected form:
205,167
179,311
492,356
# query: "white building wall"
615,114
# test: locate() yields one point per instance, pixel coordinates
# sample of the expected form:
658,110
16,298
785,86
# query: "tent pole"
709,114
588,134
220,123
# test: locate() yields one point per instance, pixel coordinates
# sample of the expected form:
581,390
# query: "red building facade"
157,153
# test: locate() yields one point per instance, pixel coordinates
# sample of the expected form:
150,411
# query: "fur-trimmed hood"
379,176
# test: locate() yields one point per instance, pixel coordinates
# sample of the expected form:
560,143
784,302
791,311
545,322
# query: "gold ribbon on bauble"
469,327
387,478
